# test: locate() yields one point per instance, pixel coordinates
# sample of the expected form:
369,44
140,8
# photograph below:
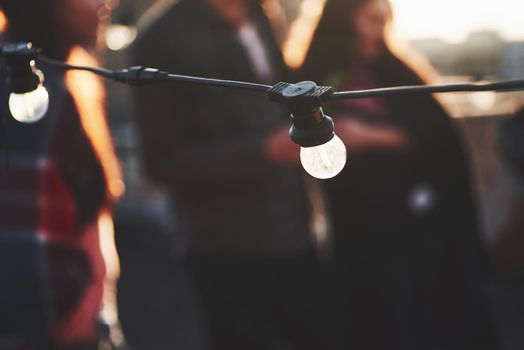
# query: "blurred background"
466,40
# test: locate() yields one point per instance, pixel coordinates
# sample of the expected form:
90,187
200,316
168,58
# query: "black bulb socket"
304,101
22,75
313,129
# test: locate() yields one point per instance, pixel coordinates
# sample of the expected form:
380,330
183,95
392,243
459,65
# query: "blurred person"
508,248
404,219
511,137
58,179
246,216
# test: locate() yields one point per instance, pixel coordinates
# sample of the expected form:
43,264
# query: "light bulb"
324,161
31,106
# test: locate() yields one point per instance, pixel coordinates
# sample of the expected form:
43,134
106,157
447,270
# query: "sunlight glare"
453,20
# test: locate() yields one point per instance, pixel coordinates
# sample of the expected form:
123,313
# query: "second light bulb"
324,161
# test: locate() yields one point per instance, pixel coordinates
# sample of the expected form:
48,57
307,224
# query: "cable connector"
139,75
305,90
21,49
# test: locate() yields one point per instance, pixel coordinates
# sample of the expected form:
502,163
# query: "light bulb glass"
324,161
29,107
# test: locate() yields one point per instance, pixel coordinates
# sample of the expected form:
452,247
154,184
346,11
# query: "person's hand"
358,135
279,148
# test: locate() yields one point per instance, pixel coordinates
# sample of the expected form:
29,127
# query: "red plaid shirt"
52,192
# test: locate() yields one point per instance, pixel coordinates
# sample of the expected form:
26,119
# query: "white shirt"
250,39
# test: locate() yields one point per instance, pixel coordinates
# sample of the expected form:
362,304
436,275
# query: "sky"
452,20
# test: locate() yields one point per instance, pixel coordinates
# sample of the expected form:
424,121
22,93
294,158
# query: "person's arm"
359,136
280,149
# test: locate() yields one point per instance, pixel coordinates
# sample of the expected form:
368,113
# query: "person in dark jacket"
406,234
245,215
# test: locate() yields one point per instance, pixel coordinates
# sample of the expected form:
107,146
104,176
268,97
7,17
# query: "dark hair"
333,48
330,44
35,21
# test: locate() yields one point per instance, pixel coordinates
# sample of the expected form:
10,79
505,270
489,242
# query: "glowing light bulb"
324,161
29,107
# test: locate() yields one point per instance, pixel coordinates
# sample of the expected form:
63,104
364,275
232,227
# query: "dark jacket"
205,144
406,233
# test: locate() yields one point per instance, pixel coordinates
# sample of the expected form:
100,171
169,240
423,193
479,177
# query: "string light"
323,154
28,99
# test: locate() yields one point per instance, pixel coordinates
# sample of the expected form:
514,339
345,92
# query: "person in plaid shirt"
58,179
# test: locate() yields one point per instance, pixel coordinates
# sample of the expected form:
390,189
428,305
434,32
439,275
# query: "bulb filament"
326,162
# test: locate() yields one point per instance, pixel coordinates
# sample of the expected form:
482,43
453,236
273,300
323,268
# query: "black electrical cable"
160,77
511,85
106,73
219,82
136,76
